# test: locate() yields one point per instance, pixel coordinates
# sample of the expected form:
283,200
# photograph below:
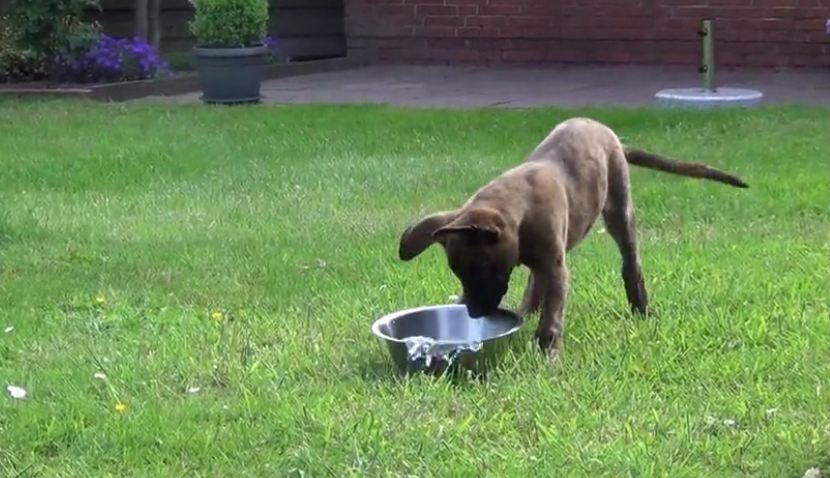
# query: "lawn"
222,266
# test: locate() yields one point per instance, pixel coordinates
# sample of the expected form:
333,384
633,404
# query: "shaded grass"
287,220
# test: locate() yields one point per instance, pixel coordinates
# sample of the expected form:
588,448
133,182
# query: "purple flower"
827,26
110,59
273,45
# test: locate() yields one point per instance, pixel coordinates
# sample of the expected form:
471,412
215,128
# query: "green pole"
707,67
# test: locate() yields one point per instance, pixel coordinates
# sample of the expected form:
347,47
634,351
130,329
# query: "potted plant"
230,48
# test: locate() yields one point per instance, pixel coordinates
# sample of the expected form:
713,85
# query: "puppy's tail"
695,170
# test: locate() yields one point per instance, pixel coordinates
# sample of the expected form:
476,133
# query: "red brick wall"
748,32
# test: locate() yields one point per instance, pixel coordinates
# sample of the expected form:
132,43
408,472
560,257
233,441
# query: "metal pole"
707,66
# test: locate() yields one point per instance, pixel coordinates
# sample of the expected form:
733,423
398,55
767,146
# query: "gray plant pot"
231,75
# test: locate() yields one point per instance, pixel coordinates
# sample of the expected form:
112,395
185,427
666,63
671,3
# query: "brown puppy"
535,213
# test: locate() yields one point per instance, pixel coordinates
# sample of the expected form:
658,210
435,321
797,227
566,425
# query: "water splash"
428,349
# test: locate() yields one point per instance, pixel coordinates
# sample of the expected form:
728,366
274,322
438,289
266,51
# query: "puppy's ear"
419,236
476,225
481,234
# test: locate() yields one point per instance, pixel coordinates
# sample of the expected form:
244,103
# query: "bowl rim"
394,315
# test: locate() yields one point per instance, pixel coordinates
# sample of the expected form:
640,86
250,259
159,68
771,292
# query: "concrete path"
527,87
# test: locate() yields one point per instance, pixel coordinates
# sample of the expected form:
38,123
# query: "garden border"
184,83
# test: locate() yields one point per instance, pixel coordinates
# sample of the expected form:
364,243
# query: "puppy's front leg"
532,299
554,287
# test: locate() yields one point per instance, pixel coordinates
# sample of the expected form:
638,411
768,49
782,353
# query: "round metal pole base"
723,97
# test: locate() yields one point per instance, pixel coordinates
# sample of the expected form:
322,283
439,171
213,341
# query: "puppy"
535,213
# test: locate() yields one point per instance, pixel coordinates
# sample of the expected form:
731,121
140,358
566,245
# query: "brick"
588,12
541,9
431,32
456,54
776,3
443,21
641,23
524,32
474,32
613,3
778,13
489,44
394,10
525,21
533,55
499,10
729,58
678,29
777,36
814,13
682,3
446,43
734,3
436,10
801,60
391,30
737,12
512,2
809,26
566,55
481,21
754,59
700,13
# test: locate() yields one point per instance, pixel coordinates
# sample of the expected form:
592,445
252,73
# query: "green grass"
287,221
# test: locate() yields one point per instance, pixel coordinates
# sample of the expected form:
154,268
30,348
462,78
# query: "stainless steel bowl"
442,338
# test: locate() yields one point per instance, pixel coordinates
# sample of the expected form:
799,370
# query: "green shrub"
48,27
230,23
32,32
16,63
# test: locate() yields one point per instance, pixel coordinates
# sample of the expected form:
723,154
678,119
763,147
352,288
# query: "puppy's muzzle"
485,301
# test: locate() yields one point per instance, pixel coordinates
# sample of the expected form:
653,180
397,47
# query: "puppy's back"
572,139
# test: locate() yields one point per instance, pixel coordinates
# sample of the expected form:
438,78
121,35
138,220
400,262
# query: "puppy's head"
480,248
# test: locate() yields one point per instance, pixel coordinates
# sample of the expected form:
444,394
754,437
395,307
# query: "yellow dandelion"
120,407
100,299
217,316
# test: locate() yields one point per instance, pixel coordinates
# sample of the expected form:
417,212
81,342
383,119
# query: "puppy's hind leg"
619,220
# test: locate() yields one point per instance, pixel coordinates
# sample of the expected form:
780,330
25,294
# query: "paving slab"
513,87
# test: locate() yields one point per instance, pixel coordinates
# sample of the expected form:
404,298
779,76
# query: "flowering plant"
108,60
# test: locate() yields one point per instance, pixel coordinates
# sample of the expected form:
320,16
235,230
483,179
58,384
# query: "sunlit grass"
219,269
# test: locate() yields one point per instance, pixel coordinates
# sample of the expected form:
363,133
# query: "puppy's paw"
643,311
553,356
548,340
